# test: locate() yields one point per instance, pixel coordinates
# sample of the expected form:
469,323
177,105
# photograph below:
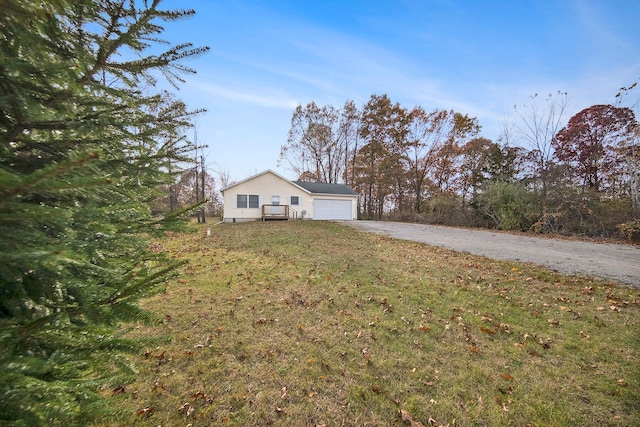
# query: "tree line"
543,174
195,185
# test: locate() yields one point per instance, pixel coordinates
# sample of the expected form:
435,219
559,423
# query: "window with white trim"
244,201
295,200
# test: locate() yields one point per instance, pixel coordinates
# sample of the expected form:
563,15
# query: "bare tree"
350,122
537,127
423,138
224,177
319,141
630,149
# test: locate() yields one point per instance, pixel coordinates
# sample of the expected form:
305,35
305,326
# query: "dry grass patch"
313,323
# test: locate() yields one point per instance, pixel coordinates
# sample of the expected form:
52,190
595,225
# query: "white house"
268,195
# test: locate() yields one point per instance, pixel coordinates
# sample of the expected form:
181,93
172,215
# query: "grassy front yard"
313,323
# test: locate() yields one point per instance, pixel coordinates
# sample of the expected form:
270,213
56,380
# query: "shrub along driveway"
618,262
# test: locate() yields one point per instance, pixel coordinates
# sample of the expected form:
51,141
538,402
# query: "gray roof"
324,188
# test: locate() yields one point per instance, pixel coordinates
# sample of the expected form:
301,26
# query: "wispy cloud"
259,97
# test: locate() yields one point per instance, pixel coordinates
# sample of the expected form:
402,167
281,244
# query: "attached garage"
332,209
331,201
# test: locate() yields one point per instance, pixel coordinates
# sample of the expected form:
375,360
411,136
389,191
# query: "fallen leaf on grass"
118,390
506,377
145,412
545,344
504,327
506,391
487,331
199,395
376,389
504,406
366,354
186,408
407,417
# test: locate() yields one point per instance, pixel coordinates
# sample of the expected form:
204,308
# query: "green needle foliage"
86,141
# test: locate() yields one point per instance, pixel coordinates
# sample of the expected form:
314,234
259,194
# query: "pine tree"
85,145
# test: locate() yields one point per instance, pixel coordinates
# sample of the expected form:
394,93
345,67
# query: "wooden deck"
278,212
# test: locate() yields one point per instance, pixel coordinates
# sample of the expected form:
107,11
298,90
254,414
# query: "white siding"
265,186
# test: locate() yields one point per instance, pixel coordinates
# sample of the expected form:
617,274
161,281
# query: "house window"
251,201
295,201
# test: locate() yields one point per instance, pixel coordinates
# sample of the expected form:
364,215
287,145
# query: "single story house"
268,195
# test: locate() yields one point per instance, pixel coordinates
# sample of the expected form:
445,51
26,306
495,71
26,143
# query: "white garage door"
332,209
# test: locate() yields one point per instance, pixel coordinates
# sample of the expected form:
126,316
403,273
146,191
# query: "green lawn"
314,323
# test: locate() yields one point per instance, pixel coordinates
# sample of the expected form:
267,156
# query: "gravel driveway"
609,261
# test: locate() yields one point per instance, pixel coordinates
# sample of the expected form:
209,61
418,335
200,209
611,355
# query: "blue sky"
476,57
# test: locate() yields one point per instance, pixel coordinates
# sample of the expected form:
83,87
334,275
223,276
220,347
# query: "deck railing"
278,212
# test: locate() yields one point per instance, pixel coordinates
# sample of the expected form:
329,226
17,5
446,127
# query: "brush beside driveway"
617,262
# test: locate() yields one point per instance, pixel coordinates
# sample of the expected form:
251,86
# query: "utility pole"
195,160
202,173
200,179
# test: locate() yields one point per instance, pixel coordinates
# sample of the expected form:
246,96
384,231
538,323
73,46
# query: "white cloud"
260,97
